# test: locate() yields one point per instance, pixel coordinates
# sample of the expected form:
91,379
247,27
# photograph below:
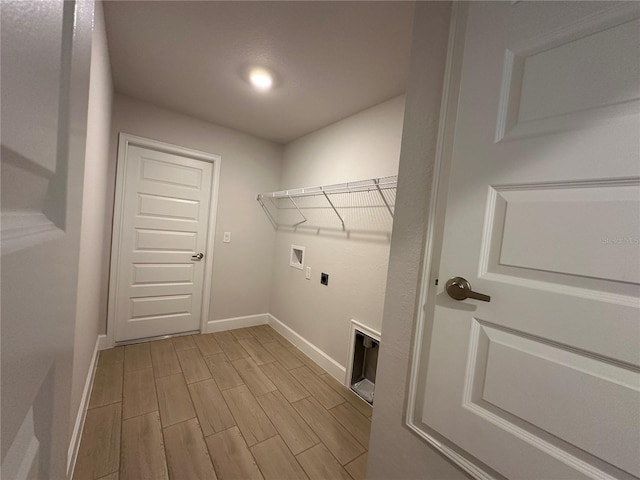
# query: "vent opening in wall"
365,363
296,259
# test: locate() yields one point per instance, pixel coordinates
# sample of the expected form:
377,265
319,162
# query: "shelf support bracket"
386,204
334,208
300,212
266,210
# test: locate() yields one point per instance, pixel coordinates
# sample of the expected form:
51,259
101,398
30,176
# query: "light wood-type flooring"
243,404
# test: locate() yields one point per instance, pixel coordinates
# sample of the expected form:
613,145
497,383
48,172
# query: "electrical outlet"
324,278
307,274
227,237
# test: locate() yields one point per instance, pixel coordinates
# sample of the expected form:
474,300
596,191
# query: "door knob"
198,256
459,288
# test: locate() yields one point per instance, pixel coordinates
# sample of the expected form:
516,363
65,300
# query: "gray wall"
93,270
363,146
242,268
395,452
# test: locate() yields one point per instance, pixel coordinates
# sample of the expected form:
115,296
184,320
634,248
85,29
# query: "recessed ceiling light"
261,79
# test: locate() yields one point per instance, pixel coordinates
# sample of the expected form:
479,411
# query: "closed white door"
543,216
163,235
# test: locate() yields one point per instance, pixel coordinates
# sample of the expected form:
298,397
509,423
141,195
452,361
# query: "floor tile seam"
286,446
101,366
204,439
224,430
260,370
245,442
93,407
225,403
320,442
332,456
305,390
142,344
261,408
119,440
165,375
175,352
310,426
201,380
164,443
314,396
140,414
138,369
346,427
296,411
188,347
213,376
340,423
121,437
349,392
345,467
255,461
154,385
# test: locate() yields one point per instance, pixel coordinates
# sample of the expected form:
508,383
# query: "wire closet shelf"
374,184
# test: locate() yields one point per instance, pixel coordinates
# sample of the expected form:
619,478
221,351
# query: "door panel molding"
509,125
485,396
189,182
617,290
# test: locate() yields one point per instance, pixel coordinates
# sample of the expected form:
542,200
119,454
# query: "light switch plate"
227,237
307,274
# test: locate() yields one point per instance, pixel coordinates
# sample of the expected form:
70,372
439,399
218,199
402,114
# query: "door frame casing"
124,141
432,249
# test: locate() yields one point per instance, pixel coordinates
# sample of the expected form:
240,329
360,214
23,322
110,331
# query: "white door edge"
435,220
124,141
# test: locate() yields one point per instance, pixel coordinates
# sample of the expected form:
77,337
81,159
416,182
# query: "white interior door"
543,215
163,228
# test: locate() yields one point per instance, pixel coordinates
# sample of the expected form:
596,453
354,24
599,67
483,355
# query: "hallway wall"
363,146
242,268
93,269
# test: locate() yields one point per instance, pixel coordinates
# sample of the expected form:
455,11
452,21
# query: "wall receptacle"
307,274
227,237
324,278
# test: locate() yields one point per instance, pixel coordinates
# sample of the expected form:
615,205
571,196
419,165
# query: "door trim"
124,141
432,246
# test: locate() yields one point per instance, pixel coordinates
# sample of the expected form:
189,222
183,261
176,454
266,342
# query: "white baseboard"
103,342
321,358
237,322
74,445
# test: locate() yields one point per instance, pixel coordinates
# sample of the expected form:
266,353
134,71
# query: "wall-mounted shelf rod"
379,184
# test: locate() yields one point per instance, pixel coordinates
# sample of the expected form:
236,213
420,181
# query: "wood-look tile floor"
243,404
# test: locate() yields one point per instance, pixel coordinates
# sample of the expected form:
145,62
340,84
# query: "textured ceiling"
332,59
